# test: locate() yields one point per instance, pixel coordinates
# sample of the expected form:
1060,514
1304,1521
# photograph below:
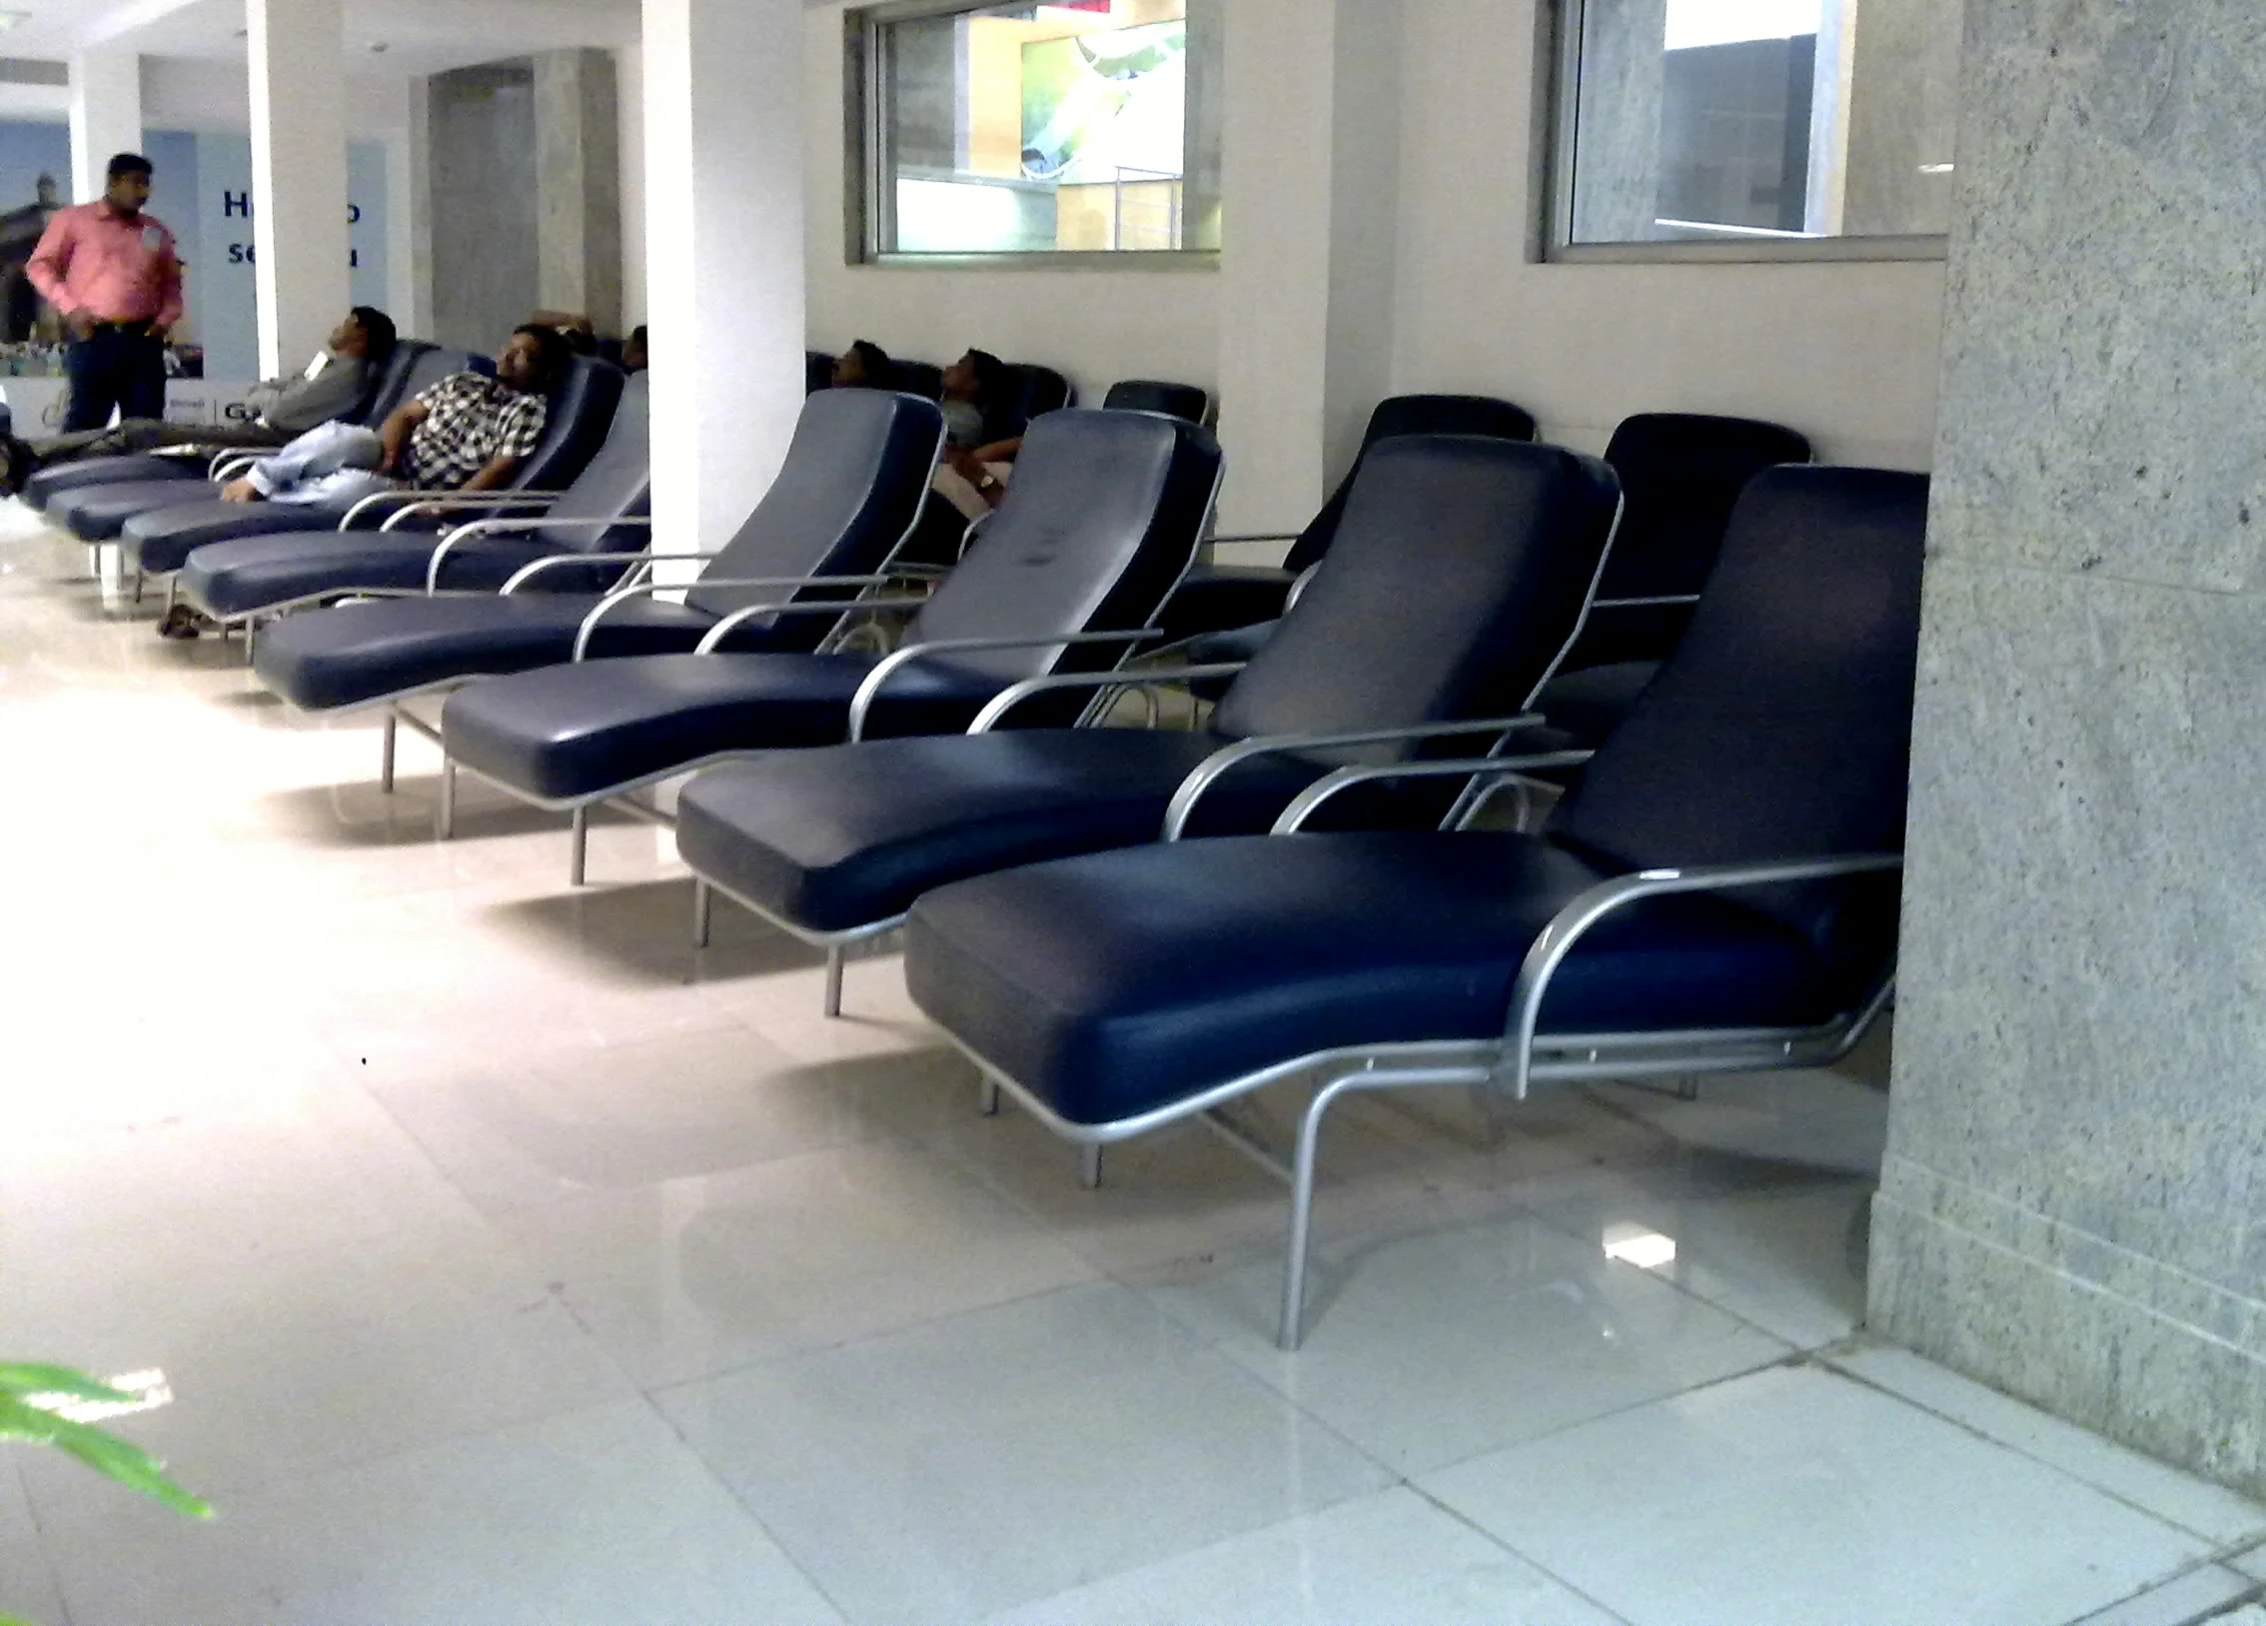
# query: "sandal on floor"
180,622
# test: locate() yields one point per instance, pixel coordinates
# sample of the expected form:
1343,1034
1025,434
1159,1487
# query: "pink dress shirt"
94,259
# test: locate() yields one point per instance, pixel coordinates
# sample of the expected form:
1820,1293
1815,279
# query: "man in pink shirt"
112,274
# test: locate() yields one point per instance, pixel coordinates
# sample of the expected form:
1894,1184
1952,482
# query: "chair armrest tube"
1208,771
494,527
862,702
1643,603
644,589
1255,536
536,567
1309,801
715,635
1549,951
988,718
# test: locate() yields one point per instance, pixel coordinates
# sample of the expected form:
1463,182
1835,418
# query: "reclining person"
972,476
334,385
466,433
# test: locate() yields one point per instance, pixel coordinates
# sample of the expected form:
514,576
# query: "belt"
138,329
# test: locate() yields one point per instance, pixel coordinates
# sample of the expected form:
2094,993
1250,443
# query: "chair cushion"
1120,982
354,654
97,513
250,573
836,839
49,483
568,732
1589,705
161,539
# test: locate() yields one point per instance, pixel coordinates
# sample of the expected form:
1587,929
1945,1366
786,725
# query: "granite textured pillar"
106,116
479,130
1310,183
578,186
295,54
2073,1206
1903,117
1617,120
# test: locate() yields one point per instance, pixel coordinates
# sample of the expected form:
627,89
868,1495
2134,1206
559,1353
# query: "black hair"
130,163
995,392
377,331
880,371
580,342
637,334
552,353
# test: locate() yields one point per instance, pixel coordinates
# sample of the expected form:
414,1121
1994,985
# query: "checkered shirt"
470,421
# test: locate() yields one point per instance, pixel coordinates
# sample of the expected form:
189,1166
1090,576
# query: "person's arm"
333,392
494,475
50,263
393,434
169,306
999,451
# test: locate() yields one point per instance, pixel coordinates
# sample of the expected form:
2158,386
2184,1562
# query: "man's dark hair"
130,163
880,371
377,329
637,333
552,352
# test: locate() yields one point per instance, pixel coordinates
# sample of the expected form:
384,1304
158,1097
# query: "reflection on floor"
509,1260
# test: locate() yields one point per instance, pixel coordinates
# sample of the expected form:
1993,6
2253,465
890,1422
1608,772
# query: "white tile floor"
512,1262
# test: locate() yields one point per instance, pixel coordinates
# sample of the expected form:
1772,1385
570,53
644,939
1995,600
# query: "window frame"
1557,88
869,202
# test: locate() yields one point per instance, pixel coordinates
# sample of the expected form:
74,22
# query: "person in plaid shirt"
466,433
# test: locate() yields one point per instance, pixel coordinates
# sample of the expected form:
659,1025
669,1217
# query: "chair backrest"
617,483
922,379
1099,524
1459,575
1409,415
1156,395
818,371
389,381
428,366
581,406
1030,392
1781,726
1681,473
849,490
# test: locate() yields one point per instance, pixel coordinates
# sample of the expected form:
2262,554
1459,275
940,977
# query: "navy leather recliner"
1105,513
847,492
1718,894
387,391
159,541
97,510
1460,575
601,512
1157,395
1218,597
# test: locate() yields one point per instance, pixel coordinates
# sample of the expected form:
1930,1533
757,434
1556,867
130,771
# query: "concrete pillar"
578,186
724,256
1903,116
1309,183
480,144
1617,120
296,55
106,116
2073,1205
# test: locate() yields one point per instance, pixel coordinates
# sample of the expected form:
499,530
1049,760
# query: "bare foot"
240,491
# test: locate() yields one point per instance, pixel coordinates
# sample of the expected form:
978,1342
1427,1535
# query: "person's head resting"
126,185
367,333
46,191
864,366
533,359
977,376
634,359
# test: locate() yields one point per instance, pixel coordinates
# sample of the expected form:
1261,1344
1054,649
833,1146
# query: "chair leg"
578,862
444,823
387,741
251,638
172,585
703,912
987,1096
1292,1328
1090,1166
1687,1087
137,584
834,980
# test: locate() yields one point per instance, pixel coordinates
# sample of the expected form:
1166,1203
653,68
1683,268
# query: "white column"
724,256
296,52
106,116
1308,183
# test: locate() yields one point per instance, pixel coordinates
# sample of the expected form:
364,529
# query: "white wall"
629,90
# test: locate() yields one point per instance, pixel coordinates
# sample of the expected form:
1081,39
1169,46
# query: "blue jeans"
325,464
117,370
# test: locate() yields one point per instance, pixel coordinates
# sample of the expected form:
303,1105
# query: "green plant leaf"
22,1378
106,1454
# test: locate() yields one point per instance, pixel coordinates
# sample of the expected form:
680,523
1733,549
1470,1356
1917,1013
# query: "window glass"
1760,119
1083,126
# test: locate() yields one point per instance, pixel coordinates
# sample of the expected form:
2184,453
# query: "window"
1081,127
1772,126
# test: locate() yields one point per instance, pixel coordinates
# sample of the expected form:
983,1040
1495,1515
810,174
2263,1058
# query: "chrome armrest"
1643,603
445,501
1514,1071
1208,771
988,718
646,589
494,527
714,638
862,702
1305,804
229,463
1256,536
552,561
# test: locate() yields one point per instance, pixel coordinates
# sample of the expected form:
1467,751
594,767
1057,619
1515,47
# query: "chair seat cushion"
569,732
1588,705
97,513
248,573
1113,984
836,839
48,484
161,539
1213,598
354,654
